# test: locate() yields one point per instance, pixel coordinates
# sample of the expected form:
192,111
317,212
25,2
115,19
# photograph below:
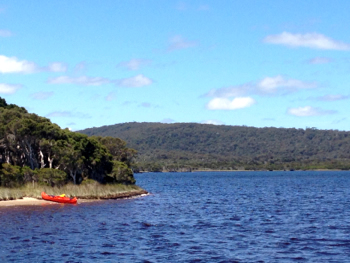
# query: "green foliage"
10,176
121,174
117,148
190,146
49,155
51,177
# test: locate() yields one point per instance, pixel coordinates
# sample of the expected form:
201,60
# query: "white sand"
25,201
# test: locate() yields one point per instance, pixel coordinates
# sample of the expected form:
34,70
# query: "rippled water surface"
192,217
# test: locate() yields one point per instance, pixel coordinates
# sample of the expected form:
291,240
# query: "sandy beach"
35,201
25,201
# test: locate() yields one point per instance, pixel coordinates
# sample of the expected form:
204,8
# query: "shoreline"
31,201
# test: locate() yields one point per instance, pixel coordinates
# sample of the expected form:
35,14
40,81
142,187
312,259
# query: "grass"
86,191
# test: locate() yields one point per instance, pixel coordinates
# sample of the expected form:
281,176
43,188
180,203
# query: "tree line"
192,146
33,149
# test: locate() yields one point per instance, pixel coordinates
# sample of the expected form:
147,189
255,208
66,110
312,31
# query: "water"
192,217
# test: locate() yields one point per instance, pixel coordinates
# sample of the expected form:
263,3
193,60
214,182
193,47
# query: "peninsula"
37,155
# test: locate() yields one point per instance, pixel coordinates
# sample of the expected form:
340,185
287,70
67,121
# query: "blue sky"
258,63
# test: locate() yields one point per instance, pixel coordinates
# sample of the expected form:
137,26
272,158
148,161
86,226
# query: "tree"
28,140
121,174
10,176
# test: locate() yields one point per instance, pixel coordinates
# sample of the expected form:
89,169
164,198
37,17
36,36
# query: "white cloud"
5,33
310,40
111,96
227,92
226,104
80,68
214,122
57,67
333,97
9,88
134,82
42,95
82,80
167,120
271,86
13,65
308,111
68,114
60,114
319,60
178,42
134,64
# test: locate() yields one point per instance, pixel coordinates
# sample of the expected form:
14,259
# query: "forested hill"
199,146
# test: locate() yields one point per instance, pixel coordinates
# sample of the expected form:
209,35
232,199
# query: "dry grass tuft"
85,191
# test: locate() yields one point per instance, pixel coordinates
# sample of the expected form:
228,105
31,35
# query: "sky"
92,63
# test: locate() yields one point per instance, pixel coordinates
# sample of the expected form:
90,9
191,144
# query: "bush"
51,177
11,176
29,175
120,174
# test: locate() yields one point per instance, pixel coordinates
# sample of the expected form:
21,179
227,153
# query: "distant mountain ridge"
199,146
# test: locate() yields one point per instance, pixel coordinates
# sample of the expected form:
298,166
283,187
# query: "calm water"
192,217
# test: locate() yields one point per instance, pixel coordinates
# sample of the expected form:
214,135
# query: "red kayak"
59,199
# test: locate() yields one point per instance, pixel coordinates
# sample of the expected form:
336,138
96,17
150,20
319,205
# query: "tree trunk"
42,163
50,161
73,174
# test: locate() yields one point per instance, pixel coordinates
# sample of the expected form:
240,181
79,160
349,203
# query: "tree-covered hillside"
32,149
199,146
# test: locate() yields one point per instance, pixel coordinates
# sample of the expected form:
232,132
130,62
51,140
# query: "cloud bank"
68,114
82,80
331,97
9,88
178,42
134,64
319,60
269,86
42,95
309,40
14,65
308,111
134,82
226,104
213,122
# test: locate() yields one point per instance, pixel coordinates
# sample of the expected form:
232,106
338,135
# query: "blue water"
192,217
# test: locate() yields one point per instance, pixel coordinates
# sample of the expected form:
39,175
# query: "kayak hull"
59,199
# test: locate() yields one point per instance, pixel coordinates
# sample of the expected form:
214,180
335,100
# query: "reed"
85,191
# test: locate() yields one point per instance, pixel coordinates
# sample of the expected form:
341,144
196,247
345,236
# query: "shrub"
51,177
120,174
29,175
11,176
